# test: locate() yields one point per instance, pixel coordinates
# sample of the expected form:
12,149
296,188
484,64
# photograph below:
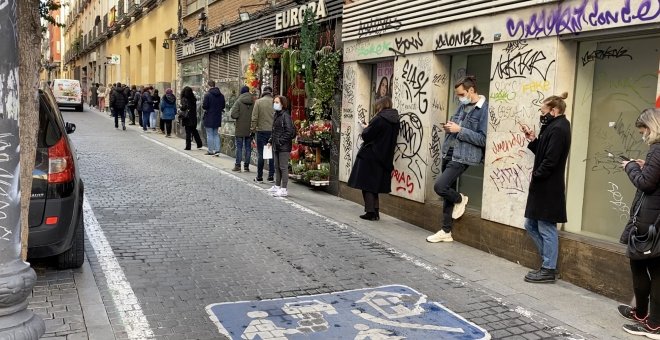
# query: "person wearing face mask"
546,200
645,176
283,134
465,140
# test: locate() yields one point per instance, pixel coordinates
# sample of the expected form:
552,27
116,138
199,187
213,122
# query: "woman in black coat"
372,170
189,105
281,139
645,176
546,200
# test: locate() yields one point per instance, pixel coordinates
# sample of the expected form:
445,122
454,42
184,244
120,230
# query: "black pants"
370,201
646,285
191,132
166,125
445,187
119,113
139,114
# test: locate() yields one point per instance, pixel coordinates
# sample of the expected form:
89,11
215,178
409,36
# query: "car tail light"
51,220
60,163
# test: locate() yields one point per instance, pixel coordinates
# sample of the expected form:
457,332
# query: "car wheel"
75,256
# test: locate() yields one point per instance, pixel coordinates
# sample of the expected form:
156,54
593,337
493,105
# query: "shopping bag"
268,152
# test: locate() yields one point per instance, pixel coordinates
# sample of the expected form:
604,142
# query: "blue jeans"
152,120
213,140
545,236
241,143
262,140
145,120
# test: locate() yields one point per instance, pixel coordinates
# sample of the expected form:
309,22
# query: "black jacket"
283,132
375,161
189,105
647,181
118,99
546,200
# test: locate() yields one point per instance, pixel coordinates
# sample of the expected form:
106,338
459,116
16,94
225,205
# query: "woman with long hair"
281,140
374,163
645,176
189,106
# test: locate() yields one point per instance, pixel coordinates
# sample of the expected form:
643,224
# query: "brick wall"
221,12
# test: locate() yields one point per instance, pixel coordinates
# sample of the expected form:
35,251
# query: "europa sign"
293,17
220,39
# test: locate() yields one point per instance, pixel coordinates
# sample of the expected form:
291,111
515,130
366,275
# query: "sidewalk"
69,302
591,314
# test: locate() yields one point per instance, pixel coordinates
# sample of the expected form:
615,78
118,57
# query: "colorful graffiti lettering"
568,19
403,182
373,50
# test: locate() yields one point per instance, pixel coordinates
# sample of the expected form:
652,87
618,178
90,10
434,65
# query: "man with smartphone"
465,140
546,199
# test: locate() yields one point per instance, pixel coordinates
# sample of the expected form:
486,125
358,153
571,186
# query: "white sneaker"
440,236
459,208
281,193
274,189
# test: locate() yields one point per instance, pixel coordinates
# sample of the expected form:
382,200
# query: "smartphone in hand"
622,157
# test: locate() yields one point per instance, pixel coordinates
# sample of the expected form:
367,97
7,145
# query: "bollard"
16,276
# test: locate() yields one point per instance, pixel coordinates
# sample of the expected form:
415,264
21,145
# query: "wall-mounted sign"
220,39
188,49
115,59
294,16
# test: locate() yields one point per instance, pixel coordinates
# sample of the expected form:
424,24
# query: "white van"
68,93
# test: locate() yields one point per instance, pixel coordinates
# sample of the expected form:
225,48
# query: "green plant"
290,64
326,81
298,168
265,52
309,32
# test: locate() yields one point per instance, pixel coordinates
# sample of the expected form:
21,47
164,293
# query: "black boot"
371,216
377,215
542,276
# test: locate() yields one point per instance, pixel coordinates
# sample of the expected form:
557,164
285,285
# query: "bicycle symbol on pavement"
384,313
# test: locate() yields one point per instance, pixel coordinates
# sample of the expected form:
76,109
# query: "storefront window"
616,80
478,65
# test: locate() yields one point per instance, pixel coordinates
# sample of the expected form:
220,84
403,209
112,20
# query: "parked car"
56,204
68,93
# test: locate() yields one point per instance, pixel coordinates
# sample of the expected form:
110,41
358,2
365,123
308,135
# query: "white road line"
128,307
420,263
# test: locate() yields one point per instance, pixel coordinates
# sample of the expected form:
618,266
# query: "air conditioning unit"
92,56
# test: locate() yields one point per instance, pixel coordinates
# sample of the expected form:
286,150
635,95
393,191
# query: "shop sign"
293,17
220,39
188,49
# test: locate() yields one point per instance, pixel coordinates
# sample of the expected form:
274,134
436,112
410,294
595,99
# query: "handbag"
645,246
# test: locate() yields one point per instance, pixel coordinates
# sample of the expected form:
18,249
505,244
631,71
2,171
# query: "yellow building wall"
144,61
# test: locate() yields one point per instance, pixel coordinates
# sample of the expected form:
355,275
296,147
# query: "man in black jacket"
118,103
546,201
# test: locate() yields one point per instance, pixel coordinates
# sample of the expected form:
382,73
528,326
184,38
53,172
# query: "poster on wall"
382,81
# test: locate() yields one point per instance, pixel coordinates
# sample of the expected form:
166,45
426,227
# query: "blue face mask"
277,106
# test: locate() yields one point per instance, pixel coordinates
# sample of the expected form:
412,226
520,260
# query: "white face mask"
277,106
464,100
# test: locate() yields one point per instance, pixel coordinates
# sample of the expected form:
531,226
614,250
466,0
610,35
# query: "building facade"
231,31
121,41
604,53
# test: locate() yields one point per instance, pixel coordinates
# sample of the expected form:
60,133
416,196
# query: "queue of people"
268,119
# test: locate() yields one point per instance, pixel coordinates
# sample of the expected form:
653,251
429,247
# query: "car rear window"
48,133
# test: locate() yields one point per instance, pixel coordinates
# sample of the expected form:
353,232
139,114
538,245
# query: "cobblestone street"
173,232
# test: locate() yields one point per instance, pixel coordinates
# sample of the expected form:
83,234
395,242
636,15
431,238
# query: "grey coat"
242,112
